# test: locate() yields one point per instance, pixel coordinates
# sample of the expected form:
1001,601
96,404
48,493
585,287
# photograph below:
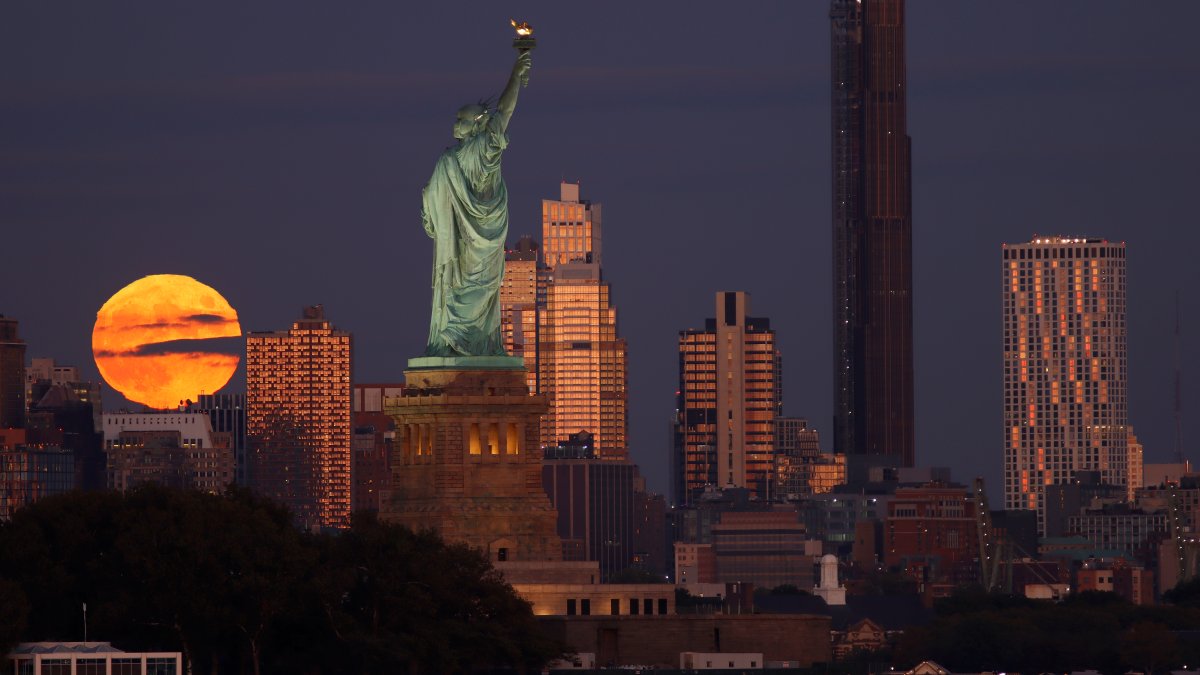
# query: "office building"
522,293
30,473
570,228
931,533
595,500
227,415
1133,531
1065,366
176,449
582,362
298,419
372,445
872,238
729,397
765,548
65,415
43,374
12,375
797,452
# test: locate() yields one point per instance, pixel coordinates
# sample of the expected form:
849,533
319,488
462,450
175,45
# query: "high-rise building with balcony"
12,376
729,396
298,419
1065,366
872,238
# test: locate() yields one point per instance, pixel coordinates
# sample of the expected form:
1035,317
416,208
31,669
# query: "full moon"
158,340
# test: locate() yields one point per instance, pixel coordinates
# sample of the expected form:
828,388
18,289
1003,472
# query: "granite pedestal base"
468,461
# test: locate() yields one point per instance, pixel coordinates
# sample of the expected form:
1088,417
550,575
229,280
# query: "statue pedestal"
468,460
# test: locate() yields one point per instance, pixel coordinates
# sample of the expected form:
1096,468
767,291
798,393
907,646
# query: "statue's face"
468,117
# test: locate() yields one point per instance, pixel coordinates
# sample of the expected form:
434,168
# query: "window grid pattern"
298,420
1065,366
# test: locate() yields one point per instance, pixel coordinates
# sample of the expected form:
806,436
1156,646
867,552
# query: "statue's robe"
465,211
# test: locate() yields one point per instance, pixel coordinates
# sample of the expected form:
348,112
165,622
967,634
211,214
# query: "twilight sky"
276,151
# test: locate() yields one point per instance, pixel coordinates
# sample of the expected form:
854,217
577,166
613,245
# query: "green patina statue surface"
465,212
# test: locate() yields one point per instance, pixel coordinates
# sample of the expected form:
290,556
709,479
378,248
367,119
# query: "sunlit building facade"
520,292
872,237
1065,366
570,228
298,419
729,396
581,359
828,472
797,450
581,362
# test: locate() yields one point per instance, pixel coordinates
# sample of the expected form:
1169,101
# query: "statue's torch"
523,42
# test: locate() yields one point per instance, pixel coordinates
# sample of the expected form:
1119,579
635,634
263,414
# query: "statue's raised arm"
508,100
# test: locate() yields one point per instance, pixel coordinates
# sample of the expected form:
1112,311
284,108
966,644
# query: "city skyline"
158,161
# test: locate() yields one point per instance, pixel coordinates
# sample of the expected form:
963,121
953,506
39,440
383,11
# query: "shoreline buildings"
872,238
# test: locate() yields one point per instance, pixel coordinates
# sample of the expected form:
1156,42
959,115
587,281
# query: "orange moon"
158,340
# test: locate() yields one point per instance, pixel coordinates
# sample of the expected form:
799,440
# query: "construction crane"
993,552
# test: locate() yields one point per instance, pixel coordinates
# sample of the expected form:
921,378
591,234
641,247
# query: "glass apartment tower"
298,419
872,237
1065,365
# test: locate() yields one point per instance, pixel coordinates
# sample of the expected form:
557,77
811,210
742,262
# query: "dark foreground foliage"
977,632
230,583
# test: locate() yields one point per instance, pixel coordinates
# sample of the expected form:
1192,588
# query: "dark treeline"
227,581
977,632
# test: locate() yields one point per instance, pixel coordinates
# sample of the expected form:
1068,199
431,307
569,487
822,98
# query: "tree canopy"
227,581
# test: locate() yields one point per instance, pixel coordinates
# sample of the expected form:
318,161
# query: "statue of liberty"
465,212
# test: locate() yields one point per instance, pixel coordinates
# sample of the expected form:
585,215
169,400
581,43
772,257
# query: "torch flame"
523,28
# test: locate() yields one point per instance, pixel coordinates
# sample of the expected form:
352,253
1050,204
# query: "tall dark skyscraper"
872,237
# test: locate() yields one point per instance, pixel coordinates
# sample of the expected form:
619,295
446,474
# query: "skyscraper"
872,237
729,397
298,418
595,502
522,293
12,376
1065,382
581,359
570,228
